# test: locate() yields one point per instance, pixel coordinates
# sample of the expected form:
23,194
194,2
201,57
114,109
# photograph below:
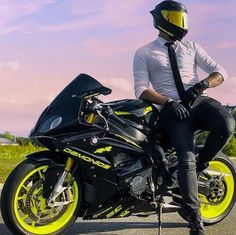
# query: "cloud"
122,88
65,26
13,10
10,65
225,92
19,116
111,47
227,44
211,21
118,84
12,29
101,15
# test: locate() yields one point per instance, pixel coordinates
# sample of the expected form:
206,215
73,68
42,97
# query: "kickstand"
159,214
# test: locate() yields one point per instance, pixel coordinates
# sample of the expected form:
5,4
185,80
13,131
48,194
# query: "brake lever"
105,120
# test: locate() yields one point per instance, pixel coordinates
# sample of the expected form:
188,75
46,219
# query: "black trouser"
206,114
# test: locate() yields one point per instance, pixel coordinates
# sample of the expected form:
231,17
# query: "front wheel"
24,208
218,204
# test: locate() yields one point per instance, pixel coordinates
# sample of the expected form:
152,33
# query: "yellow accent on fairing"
147,110
89,96
114,212
104,211
49,228
127,140
177,18
212,211
102,150
122,113
124,213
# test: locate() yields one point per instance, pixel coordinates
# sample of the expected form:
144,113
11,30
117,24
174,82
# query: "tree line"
20,140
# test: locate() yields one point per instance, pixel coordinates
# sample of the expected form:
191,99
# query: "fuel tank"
139,115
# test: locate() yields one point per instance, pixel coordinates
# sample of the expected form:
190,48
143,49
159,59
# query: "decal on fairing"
101,213
87,158
115,211
124,213
102,150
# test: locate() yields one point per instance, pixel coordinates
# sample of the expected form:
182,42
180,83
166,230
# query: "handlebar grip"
119,120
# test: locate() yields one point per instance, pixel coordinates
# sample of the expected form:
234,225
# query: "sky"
44,44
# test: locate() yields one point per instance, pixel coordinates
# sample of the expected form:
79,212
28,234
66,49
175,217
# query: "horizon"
47,43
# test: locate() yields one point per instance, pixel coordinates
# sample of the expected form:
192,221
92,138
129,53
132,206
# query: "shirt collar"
162,41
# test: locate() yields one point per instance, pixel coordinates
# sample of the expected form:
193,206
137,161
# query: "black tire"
15,192
222,160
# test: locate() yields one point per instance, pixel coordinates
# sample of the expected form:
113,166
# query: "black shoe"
196,225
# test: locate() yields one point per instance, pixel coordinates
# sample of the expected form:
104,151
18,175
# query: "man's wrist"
204,84
168,100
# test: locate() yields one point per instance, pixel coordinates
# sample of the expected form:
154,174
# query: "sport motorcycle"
105,160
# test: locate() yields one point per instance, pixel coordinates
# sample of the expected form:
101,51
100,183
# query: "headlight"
50,124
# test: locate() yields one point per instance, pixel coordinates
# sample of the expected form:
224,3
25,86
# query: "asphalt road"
173,224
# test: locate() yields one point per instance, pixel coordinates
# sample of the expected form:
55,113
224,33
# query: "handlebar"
105,112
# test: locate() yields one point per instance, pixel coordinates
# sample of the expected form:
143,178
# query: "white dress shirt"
152,65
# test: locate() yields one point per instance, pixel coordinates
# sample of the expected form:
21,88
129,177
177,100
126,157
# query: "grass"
10,156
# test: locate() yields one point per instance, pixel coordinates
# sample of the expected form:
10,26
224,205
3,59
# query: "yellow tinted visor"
177,18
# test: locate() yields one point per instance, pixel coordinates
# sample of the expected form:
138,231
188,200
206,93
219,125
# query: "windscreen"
66,105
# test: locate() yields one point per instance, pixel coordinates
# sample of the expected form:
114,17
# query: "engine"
138,183
133,168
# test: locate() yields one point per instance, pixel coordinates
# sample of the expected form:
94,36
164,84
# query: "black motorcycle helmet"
171,17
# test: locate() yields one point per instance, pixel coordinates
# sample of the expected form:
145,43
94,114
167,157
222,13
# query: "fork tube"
91,118
58,189
69,164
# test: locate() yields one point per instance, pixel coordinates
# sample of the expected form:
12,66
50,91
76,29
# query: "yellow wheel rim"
211,210
37,204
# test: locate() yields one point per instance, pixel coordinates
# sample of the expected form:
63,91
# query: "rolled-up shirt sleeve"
140,73
206,63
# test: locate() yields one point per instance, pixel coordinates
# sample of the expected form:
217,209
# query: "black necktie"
176,74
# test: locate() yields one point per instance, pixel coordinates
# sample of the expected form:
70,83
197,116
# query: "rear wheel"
24,208
218,204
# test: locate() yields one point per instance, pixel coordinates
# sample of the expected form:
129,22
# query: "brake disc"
36,206
218,192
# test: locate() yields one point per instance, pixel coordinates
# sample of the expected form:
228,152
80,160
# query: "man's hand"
195,91
176,110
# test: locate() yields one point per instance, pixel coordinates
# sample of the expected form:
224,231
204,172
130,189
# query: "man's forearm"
215,79
154,97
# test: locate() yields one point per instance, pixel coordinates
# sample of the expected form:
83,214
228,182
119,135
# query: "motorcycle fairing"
67,105
121,209
112,209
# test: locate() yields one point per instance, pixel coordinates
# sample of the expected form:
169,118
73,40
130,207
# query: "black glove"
195,91
175,110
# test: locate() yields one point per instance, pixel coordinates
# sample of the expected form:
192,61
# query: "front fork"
59,189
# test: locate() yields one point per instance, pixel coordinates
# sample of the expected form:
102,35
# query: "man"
170,65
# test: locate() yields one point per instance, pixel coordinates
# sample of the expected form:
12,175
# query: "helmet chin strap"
167,36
